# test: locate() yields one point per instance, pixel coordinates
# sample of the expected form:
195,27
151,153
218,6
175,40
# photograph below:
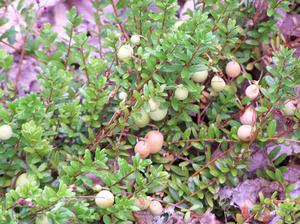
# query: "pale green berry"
135,39
141,119
200,76
24,179
217,84
181,93
158,114
42,219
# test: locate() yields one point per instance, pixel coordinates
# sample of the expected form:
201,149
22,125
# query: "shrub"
80,128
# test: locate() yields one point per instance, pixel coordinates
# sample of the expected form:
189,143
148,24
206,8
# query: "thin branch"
118,21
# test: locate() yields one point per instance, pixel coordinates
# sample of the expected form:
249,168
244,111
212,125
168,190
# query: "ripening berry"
252,91
5,132
155,141
289,108
135,39
105,199
142,203
200,76
158,114
141,119
142,148
245,132
217,84
125,53
42,219
181,93
24,179
233,69
155,208
153,104
249,116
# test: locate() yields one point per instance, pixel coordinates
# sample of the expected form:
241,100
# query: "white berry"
245,132
105,199
249,116
122,95
252,91
5,132
155,208
125,53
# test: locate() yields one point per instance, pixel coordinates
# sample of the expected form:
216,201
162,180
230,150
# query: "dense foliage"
79,130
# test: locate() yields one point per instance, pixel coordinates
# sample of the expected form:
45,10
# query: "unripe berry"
135,39
233,69
125,53
42,219
246,132
250,66
252,91
122,95
142,148
24,179
155,141
177,25
5,132
142,119
105,199
142,203
181,93
289,108
249,116
97,187
200,76
155,208
217,84
158,114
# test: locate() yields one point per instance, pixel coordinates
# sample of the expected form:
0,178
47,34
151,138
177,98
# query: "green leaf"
107,219
274,152
271,128
121,4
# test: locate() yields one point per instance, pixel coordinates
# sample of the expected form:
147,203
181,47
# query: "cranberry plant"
158,107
